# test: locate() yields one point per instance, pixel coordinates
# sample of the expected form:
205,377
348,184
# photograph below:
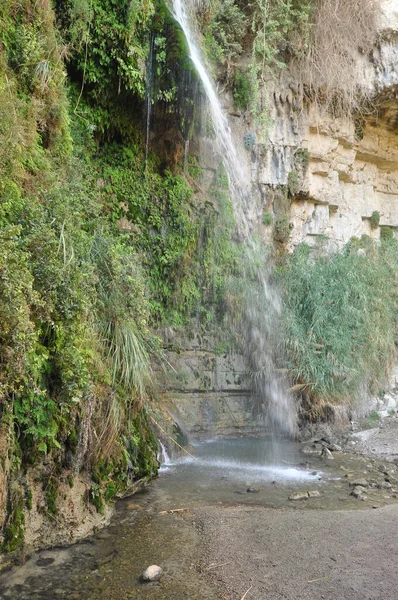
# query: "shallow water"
159,526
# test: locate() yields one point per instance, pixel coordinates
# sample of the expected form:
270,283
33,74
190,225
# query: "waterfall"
163,456
263,307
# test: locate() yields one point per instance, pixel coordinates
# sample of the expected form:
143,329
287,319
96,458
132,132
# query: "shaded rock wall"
209,392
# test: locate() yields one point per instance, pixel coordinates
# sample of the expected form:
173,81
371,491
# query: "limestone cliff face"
351,165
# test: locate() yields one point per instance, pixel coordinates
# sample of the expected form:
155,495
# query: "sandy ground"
302,555
271,554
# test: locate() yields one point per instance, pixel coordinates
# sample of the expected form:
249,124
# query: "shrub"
339,319
386,233
241,90
375,219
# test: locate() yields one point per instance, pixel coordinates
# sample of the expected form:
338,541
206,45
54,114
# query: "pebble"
152,573
304,495
359,482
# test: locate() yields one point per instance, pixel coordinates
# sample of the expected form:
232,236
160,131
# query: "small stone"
309,450
327,454
298,496
386,485
359,482
314,494
358,492
152,573
334,447
251,490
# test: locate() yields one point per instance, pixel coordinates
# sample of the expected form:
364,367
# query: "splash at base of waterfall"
244,461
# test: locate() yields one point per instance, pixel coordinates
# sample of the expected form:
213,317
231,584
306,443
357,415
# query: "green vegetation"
267,218
14,526
100,246
224,25
375,219
340,318
386,233
241,90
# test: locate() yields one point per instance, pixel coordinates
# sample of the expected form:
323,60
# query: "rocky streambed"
275,521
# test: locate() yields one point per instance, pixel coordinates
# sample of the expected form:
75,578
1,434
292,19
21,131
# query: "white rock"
299,496
364,436
327,454
152,573
314,494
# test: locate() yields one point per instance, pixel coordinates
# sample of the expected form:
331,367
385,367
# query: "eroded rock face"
350,166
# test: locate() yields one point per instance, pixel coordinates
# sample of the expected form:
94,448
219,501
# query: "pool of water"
159,526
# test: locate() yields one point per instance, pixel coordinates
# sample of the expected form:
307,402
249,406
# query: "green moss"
14,528
95,497
28,498
73,440
51,495
110,491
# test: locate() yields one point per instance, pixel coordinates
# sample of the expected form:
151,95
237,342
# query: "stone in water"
152,573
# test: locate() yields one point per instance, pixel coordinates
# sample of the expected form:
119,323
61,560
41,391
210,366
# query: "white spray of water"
163,456
264,308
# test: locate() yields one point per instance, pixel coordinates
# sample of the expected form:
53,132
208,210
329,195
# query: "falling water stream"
263,304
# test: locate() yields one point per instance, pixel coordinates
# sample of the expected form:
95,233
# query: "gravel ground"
382,443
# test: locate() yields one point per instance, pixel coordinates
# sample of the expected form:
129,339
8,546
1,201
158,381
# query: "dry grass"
332,68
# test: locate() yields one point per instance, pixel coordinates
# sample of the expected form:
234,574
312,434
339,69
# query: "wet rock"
334,447
359,483
311,450
314,494
358,492
298,496
327,454
386,485
45,562
152,573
